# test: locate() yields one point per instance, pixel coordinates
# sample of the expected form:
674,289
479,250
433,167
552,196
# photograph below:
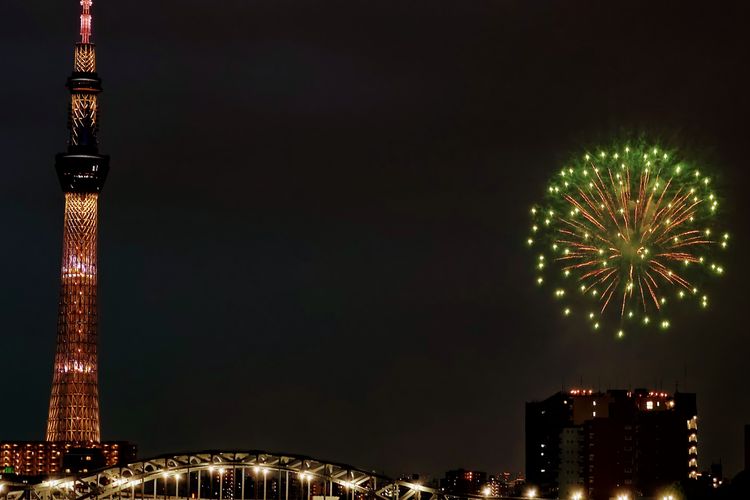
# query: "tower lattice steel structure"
74,403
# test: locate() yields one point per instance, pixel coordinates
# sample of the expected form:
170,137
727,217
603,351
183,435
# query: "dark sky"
312,233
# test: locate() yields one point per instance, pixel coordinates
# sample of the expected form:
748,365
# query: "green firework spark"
625,233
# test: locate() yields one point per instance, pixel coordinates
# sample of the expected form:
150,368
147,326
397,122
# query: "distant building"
602,443
504,484
45,458
464,482
494,487
410,478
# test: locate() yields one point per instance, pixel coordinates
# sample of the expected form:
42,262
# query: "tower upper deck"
82,169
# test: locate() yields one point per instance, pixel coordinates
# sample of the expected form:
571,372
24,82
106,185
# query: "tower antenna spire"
86,21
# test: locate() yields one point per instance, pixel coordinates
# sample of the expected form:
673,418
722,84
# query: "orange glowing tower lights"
74,403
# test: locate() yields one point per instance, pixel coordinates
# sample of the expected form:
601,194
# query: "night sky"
312,235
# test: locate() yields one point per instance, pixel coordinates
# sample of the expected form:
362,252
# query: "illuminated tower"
74,403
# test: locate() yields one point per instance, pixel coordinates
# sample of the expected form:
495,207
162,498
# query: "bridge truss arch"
228,475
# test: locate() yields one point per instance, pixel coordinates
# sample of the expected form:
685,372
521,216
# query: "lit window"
649,405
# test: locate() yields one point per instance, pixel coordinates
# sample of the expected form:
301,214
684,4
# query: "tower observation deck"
74,402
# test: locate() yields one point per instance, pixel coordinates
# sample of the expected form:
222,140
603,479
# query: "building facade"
570,474
602,444
46,458
544,422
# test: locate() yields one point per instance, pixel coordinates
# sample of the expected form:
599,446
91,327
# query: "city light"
577,495
486,491
531,493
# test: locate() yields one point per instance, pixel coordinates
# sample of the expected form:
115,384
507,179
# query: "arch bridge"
228,475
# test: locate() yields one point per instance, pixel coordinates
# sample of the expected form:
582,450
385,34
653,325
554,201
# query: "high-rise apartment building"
601,443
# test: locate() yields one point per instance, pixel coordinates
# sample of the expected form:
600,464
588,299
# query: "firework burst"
627,231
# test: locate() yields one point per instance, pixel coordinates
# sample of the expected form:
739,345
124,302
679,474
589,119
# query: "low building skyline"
47,458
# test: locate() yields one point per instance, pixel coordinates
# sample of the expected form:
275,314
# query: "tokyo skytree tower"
74,403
